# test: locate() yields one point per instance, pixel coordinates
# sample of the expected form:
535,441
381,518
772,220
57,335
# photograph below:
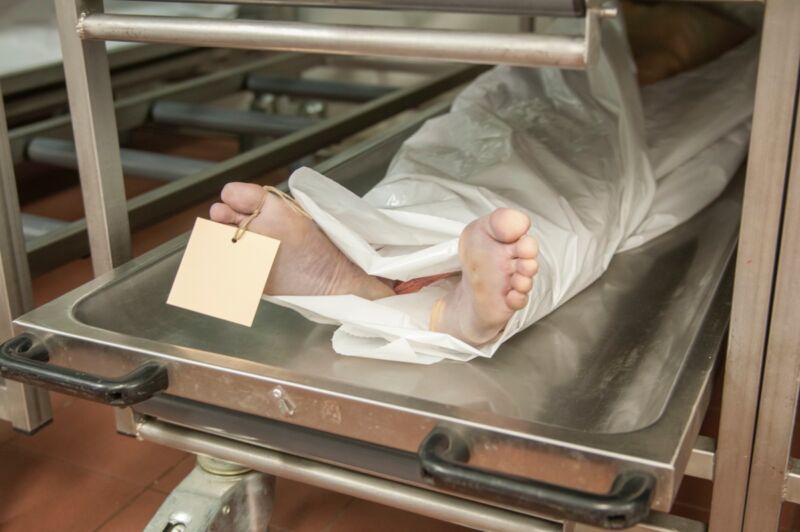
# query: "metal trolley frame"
762,336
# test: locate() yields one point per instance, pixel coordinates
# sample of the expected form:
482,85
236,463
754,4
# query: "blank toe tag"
223,272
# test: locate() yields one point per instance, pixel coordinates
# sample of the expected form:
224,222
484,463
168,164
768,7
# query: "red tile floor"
79,475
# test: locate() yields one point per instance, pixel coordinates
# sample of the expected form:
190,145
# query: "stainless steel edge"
770,140
446,45
777,407
27,407
417,500
508,7
701,461
95,130
791,489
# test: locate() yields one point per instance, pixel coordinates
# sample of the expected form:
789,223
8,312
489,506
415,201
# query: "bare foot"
307,262
498,261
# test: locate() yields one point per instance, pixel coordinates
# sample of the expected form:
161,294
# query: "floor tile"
135,516
695,492
38,493
7,432
364,516
690,512
83,434
170,480
302,508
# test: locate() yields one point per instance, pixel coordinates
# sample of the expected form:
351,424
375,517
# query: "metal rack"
27,407
759,291
180,105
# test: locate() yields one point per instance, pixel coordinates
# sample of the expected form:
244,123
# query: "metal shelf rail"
774,475
25,406
36,93
180,105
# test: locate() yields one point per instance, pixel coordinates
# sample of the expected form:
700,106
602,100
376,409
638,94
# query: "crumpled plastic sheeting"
598,167
29,32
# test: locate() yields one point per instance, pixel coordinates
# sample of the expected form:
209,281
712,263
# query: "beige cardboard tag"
222,278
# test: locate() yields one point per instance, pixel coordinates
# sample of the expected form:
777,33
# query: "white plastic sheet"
599,168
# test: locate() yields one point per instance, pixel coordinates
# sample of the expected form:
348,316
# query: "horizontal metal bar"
417,500
53,97
69,243
312,88
521,49
135,110
554,8
227,120
34,226
140,163
701,461
791,490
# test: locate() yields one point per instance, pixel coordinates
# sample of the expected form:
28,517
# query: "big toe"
508,225
243,197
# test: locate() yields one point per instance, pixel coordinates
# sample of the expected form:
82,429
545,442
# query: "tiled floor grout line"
63,460
121,509
338,515
167,472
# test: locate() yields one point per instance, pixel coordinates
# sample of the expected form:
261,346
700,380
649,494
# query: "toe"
516,300
527,267
527,247
521,283
223,214
243,197
508,225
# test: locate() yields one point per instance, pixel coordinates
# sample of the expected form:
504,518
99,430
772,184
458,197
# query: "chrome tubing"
552,8
516,49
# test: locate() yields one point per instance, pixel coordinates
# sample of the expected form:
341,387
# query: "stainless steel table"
589,415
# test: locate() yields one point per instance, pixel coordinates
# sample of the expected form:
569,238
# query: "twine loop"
268,189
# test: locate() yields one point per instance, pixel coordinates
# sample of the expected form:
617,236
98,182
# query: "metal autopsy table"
588,416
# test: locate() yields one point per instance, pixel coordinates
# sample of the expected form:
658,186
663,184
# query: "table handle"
444,455
25,358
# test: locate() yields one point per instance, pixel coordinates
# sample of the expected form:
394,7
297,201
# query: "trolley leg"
217,495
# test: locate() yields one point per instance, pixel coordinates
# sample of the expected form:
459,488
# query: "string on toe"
290,202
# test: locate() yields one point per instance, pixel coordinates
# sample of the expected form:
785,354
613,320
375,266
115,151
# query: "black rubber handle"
443,455
24,358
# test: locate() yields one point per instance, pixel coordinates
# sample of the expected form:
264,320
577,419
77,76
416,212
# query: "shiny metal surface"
767,165
92,109
234,500
792,488
27,408
508,7
702,460
445,45
777,406
351,483
617,378
140,163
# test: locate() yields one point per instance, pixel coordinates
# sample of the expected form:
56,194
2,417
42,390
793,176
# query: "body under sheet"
600,165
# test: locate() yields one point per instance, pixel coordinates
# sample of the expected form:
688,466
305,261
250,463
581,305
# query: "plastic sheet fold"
600,167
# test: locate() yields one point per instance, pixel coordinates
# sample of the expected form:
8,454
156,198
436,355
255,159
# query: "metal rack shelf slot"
140,163
312,88
236,121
